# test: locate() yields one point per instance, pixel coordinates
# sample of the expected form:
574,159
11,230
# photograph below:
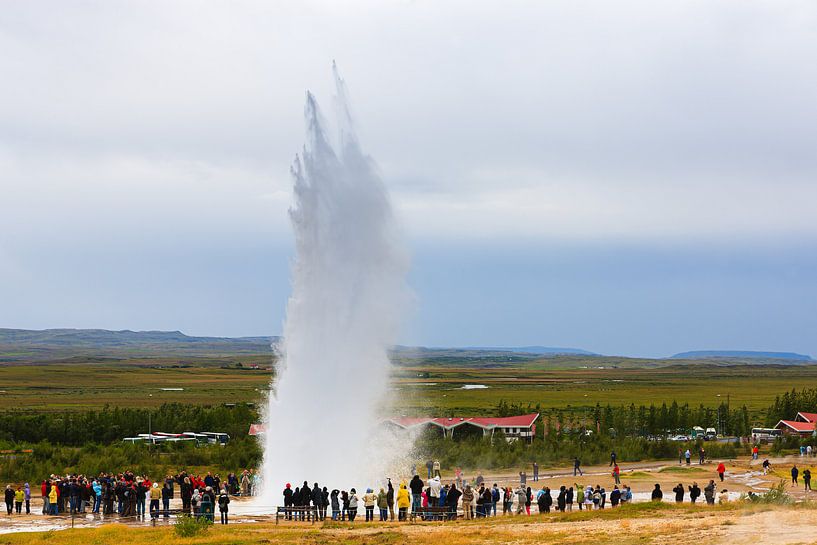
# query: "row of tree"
637,420
113,424
785,407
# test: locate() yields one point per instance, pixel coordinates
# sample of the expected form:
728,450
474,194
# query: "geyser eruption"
348,290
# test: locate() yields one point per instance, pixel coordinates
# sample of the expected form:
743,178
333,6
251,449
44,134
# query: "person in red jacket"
44,490
721,470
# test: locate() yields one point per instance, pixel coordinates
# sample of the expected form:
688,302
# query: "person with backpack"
709,493
452,499
579,494
548,500
679,493
352,505
626,494
206,506
694,493
480,497
223,504
334,503
194,502
615,496
316,495
495,497
416,487
561,499
344,502
383,504
467,502
521,498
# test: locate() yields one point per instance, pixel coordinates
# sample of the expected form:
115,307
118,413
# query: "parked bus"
765,435
215,438
200,438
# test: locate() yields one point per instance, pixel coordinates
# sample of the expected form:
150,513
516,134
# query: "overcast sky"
635,178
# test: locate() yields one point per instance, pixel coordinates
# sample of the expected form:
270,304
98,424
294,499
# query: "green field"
421,389
424,389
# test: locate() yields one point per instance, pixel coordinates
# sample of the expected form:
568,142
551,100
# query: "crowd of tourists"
434,500
136,496
129,495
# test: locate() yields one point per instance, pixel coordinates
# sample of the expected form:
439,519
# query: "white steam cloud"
348,294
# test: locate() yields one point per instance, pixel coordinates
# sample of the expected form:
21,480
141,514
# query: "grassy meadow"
423,388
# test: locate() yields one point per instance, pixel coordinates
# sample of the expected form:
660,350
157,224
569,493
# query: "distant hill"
58,344
538,350
740,354
101,345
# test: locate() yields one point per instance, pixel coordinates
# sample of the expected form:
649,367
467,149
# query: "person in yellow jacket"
52,498
403,501
19,498
155,496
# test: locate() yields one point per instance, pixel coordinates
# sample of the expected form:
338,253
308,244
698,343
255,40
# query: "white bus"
200,438
216,438
765,435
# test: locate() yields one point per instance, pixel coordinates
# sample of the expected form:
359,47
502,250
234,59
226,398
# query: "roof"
799,427
807,417
523,421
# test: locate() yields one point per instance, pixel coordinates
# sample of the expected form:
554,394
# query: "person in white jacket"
352,505
434,488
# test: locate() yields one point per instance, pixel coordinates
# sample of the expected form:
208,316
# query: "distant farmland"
419,389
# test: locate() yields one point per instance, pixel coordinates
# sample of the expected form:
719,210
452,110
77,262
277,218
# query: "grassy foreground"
639,523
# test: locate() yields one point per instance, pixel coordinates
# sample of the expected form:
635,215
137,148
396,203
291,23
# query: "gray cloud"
560,122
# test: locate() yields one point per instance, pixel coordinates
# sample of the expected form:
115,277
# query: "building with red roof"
514,427
798,427
803,424
806,417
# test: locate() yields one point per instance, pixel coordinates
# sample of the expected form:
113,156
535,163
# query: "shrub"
187,526
776,495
